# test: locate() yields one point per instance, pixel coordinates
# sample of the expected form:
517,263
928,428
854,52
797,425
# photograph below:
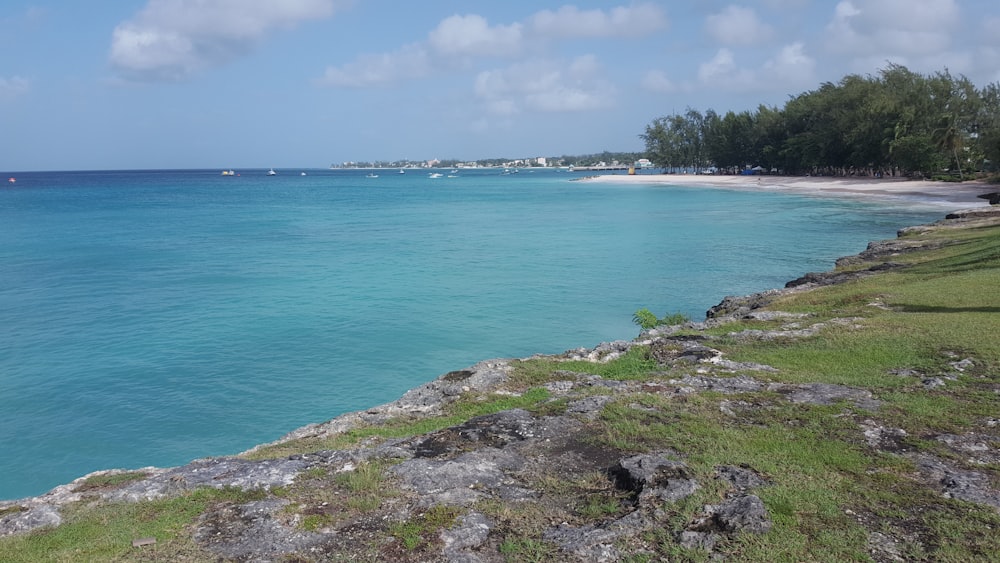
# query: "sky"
151,84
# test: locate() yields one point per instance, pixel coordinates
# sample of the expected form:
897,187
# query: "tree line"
896,123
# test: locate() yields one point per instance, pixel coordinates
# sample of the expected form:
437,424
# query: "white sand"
920,192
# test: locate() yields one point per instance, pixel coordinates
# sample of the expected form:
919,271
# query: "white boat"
371,175
271,172
434,175
302,174
401,171
228,173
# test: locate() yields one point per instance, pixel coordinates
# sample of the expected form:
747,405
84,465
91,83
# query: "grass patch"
104,532
634,364
457,413
422,530
109,481
528,550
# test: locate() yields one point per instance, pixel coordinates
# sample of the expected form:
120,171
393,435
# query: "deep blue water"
150,318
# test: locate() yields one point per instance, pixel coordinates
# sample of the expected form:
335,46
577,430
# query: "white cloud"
657,81
722,69
737,25
569,21
901,31
13,87
791,66
463,38
171,39
409,62
473,36
545,86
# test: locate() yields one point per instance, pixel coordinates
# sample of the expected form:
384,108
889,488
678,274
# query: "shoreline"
22,515
951,195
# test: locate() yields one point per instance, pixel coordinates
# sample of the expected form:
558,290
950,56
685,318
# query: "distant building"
541,161
644,163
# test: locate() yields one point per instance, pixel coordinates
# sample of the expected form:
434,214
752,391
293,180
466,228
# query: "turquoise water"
150,318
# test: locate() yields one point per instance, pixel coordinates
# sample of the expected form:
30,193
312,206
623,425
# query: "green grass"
104,532
109,480
420,531
634,364
458,413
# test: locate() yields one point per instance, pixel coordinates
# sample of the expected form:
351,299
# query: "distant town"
605,160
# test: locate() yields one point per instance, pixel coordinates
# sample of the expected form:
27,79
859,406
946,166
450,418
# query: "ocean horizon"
152,317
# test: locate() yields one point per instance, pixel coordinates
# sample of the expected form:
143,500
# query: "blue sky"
306,83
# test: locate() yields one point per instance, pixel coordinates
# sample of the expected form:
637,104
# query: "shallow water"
150,318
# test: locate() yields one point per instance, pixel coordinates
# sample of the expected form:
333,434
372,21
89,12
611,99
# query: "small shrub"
644,318
647,320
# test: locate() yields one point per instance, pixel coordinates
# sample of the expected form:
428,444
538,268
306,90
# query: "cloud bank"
534,82
173,39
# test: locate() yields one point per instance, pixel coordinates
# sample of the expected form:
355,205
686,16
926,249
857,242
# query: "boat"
371,175
401,171
11,180
228,173
302,174
434,175
271,172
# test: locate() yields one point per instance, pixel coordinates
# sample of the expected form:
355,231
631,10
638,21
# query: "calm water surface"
150,318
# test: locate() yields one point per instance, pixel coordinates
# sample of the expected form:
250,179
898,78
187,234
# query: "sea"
149,318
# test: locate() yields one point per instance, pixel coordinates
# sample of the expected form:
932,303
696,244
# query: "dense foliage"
895,123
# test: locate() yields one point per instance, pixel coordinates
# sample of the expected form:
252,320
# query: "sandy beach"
944,194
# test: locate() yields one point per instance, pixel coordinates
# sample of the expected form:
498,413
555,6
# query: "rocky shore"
503,458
